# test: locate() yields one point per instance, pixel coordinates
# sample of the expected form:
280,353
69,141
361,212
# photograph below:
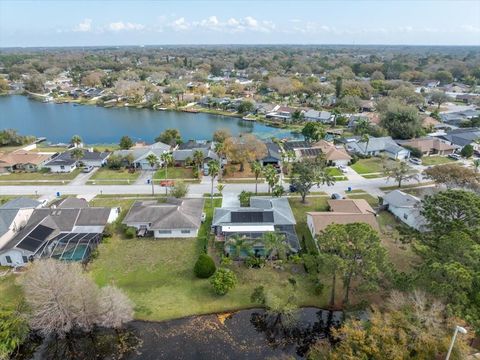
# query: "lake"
98,125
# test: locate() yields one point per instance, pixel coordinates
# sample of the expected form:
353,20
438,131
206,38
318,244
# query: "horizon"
186,23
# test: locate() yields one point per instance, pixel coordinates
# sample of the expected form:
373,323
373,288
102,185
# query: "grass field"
174,173
158,276
11,292
339,176
371,165
37,178
108,176
312,204
436,160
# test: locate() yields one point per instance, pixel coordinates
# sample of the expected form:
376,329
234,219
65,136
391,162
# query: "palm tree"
198,158
77,154
167,159
271,176
476,164
239,245
366,140
257,171
220,188
76,140
275,244
152,160
213,170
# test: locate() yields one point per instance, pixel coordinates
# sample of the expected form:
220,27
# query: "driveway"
230,200
82,178
144,176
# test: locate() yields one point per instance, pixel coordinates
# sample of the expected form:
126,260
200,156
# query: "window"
9,259
185,231
62,167
25,259
164,231
405,216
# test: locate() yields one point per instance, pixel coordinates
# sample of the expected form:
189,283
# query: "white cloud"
231,25
180,24
84,26
121,26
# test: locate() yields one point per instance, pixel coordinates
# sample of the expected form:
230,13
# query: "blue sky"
93,23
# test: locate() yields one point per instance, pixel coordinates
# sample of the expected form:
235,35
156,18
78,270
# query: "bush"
130,232
44,170
108,230
415,152
223,281
467,151
179,190
204,267
254,262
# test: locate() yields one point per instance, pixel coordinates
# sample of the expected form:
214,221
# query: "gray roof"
172,214
141,153
318,115
182,155
64,158
462,137
21,203
398,198
72,203
61,221
95,155
273,152
195,144
6,218
385,143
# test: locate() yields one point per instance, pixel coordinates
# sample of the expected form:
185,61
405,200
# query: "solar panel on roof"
41,232
30,244
252,217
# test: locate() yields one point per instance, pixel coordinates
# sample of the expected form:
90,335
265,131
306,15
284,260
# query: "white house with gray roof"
265,214
377,146
140,154
174,218
324,117
406,208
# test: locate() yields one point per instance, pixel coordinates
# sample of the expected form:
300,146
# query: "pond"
98,125
247,334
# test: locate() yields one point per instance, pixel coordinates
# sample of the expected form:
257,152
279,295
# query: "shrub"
130,232
179,190
108,230
254,262
44,170
244,198
258,295
223,281
415,152
467,151
204,267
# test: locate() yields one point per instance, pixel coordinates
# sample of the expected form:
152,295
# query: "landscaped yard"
38,178
158,276
371,165
339,176
314,203
174,173
105,176
436,160
11,292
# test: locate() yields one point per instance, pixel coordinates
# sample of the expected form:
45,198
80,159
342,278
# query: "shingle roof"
21,203
172,214
23,157
398,198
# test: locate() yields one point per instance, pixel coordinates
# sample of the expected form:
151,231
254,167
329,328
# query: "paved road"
369,185
82,178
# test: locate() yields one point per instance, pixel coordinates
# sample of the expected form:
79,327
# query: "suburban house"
265,214
378,146
406,208
458,117
429,145
68,234
462,137
334,155
14,216
22,160
139,154
324,117
186,152
94,158
344,211
273,156
62,163
174,218
279,112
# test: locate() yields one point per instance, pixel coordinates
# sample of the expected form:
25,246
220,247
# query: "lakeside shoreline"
296,128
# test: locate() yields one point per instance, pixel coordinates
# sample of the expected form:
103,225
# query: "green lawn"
10,290
395,187
174,173
108,176
372,200
339,176
371,165
299,210
50,149
33,177
436,160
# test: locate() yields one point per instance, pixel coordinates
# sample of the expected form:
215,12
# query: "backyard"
105,176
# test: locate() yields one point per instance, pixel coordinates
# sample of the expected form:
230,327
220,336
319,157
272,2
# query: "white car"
87,169
342,168
415,161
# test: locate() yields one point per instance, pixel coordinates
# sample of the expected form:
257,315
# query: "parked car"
87,169
415,161
342,168
337,196
293,188
205,169
454,156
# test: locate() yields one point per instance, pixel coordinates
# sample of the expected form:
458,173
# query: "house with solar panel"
265,214
63,232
